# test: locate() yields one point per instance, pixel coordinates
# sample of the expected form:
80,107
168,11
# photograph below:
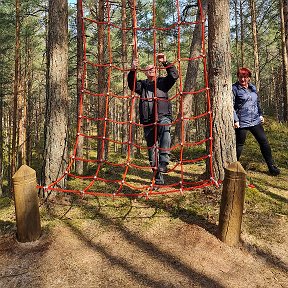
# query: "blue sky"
72,1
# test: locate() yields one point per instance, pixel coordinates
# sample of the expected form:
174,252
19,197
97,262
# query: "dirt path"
145,248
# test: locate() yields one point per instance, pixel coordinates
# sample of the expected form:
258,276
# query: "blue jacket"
247,110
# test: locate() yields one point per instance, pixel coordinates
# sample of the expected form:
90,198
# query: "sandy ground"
142,249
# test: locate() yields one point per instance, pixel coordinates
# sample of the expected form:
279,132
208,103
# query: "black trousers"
260,136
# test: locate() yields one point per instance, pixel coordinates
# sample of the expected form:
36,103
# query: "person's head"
244,75
150,72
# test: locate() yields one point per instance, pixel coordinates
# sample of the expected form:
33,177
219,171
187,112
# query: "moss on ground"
265,204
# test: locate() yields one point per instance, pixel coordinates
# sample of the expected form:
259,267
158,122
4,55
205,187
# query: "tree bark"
1,129
283,14
101,82
80,55
285,11
236,33
241,32
22,116
16,89
125,106
191,76
10,139
133,131
255,43
224,151
31,107
57,91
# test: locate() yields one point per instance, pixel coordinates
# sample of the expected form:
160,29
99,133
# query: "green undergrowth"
264,215
267,202
7,215
265,199
277,134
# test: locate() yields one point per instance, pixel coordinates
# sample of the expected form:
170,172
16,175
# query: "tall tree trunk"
31,105
80,54
285,11
23,106
125,106
57,91
101,82
1,127
236,32
16,90
133,106
9,141
255,43
22,116
224,151
284,28
273,94
241,32
191,75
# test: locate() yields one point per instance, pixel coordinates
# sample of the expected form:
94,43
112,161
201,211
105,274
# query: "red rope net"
116,133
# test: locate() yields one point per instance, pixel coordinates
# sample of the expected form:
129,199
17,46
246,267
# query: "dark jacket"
247,110
146,88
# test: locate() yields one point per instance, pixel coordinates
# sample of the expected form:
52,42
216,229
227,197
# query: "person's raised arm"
172,73
133,84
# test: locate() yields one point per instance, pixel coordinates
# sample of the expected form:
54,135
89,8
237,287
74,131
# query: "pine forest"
41,66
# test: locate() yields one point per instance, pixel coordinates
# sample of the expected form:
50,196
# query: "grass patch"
277,134
265,204
7,215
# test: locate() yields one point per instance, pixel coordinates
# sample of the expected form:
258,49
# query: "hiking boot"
162,168
274,170
159,179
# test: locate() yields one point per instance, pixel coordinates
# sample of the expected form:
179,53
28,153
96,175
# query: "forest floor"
165,241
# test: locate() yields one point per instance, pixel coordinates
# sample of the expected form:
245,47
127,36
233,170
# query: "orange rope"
104,137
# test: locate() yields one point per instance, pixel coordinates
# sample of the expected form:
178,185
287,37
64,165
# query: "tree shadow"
274,196
273,260
148,248
6,227
192,218
135,181
20,261
185,215
174,209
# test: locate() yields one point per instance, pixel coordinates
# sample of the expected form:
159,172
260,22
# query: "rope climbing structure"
110,137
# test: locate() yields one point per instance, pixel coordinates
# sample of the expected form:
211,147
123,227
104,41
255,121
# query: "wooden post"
232,204
26,204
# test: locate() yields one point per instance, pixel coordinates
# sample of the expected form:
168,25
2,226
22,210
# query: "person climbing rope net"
155,112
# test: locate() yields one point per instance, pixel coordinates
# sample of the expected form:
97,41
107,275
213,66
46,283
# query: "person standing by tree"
155,112
248,117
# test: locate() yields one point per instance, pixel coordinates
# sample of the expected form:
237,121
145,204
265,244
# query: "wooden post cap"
235,168
24,173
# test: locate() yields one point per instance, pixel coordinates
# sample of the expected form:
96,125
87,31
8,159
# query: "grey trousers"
158,140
